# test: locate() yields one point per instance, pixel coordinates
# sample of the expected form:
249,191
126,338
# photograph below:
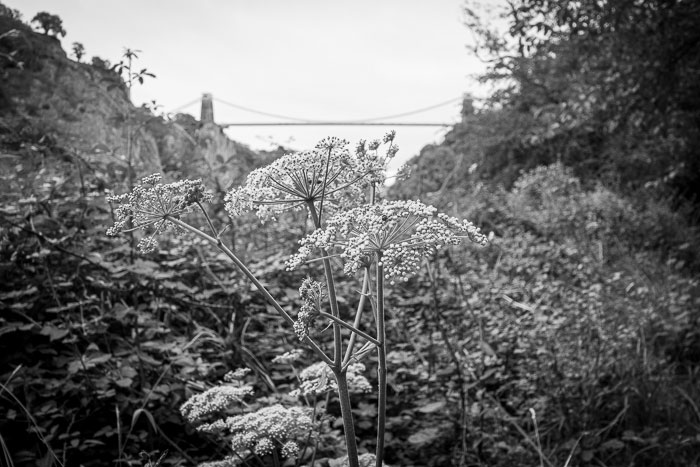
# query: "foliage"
388,237
78,50
572,339
607,87
574,311
125,68
51,24
11,13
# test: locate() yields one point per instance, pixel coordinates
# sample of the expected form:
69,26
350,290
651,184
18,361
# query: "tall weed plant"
378,242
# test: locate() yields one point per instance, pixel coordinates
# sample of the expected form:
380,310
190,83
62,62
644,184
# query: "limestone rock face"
219,154
85,109
77,105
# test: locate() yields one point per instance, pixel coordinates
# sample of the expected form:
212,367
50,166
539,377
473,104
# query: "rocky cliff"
47,99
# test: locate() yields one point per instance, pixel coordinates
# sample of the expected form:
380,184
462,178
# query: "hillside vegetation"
572,339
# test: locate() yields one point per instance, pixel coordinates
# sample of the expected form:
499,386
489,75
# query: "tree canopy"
51,24
612,85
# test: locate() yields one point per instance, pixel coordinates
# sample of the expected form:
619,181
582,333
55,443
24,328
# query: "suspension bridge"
207,116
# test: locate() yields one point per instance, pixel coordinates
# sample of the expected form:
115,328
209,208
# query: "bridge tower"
207,112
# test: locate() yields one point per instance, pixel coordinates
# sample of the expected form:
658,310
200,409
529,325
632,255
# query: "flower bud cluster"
370,162
401,232
212,401
318,379
150,203
269,428
312,295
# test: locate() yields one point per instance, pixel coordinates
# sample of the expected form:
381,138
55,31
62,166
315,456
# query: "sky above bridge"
314,60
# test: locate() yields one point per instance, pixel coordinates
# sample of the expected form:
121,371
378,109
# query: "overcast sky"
309,59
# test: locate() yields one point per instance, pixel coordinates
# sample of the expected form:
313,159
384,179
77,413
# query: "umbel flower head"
329,171
371,162
401,231
268,428
213,401
149,205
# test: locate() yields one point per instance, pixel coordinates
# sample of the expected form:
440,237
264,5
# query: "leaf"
124,382
613,445
54,333
19,293
488,349
11,327
128,372
432,407
149,416
68,307
424,436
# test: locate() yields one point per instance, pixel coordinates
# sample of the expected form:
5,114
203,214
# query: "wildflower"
370,162
295,179
318,379
264,446
213,400
290,449
236,375
402,232
149,205
265,429
229,461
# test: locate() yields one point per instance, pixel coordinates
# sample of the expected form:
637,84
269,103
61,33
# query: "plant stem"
358,317
340,374
332,299
350,327
346,412
381,363
261,288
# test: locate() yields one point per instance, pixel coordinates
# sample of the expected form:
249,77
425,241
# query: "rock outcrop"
85,109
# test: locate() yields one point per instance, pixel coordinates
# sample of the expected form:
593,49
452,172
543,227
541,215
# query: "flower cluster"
312,295
267,429
328,171
237,375
402,232
149,205
230,461
212,401
371,162
318,379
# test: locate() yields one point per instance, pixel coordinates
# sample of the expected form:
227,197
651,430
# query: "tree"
78,50
608,84
51,24
10,13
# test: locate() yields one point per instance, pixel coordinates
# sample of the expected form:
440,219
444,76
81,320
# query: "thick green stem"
346,412
261,288
358,317
381,363
349,327
332,298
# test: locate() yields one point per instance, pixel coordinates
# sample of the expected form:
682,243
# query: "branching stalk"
358,317
261,288
337,365
332,298
341,379
381,363
350,327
